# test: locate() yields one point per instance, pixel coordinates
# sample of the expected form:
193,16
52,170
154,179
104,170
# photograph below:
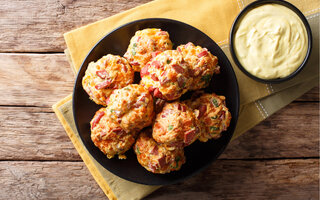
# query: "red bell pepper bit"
154,54
118,131
97,119
134,63
181,107
181,82
151,89
157,93
156,64
103,84
189,136
178,68
162,161
203,53
162,33
107,100
144,71
155,151
102,73
202,109
153,77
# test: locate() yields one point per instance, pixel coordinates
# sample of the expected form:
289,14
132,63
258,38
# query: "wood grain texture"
291,132
47,180
34,133
34,79
43,79
38,25
225,179
277,179
312,95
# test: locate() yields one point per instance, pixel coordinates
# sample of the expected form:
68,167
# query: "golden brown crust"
155,157
176,126
109,137
212,113
144,44
132,107
107,74
166,76
202,64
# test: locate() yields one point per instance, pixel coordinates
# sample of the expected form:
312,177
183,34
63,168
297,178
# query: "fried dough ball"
102,77
155,157
109,137
212,113
144,45
132,107
202,64
176,126
166,76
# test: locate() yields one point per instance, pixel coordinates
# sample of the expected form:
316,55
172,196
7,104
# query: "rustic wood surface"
278,159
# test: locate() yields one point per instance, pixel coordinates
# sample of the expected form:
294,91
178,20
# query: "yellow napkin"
258,101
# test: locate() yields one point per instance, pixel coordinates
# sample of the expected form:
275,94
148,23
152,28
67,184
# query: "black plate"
199,155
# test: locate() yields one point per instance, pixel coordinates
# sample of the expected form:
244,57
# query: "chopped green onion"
215,102
213,128
137,150
170,127
177,161
206,78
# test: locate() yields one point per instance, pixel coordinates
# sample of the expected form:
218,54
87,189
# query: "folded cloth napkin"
258,101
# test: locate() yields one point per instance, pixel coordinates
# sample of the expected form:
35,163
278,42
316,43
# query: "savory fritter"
202,64
132,107
102,77
176,126
144,45
212,113
109,137
155,157
166,76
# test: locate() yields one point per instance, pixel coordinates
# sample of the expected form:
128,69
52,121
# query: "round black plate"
199,155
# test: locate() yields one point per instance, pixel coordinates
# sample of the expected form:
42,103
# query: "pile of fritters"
149,115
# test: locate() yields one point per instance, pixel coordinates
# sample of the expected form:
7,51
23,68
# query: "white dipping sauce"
271,41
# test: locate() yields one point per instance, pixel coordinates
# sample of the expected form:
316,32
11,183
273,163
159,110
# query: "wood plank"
47,180
46,78
291,132
32,133
225,179
44,138
34,79
38,26
278,179
312,95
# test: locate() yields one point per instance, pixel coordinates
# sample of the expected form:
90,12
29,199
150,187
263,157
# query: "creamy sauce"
271,41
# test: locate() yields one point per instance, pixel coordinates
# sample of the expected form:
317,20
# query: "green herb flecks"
213,128
168,61
177,161
214,117
215,102
170,127
134,49
111,110
206,79
126,88
137,150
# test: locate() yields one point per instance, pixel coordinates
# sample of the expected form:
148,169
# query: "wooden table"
278,159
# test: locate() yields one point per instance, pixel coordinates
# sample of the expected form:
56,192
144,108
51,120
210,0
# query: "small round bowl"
235,27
